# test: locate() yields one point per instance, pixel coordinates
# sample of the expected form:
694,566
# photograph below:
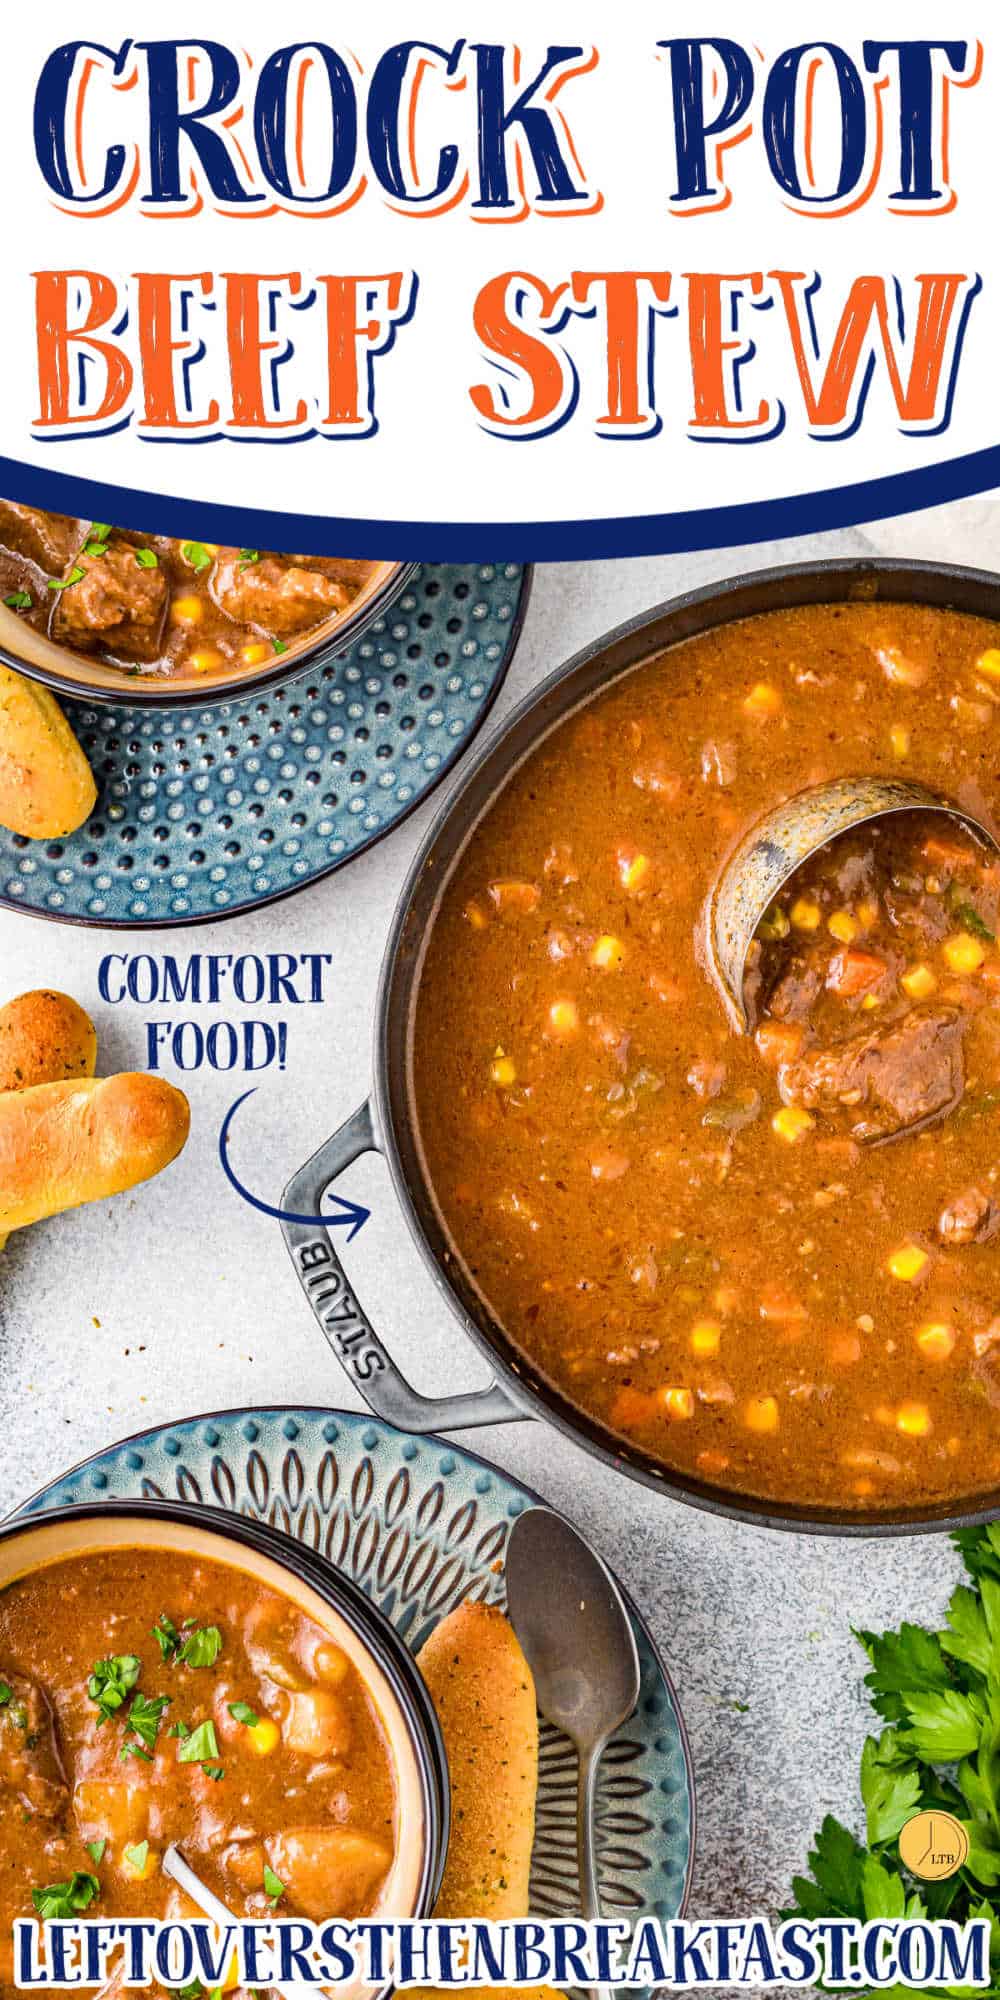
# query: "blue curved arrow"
347,1213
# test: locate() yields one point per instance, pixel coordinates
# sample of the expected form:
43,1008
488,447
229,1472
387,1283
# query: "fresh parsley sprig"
937,1695
112,1681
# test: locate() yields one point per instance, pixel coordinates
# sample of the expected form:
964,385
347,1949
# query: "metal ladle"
568,1613
786,837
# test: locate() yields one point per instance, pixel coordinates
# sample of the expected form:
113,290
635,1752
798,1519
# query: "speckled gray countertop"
181,1299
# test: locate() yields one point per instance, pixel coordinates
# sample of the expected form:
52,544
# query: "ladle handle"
342,1320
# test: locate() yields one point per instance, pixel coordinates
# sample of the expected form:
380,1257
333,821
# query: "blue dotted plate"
420,1525
204,812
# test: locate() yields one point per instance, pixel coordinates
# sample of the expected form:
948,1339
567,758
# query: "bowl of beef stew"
102,613
178,1675
757,1270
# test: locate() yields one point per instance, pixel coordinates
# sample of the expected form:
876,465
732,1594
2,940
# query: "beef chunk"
972,1217
801,983
281,594
116,605
50,540
888,1080
30,1764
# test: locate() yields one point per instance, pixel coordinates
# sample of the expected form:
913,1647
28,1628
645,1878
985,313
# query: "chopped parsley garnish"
112,1682
201,1648
972,921
66,1899
134,1750
5,1693
201,1745
193,1646
147,559
196,554
145,1716
279,645
19,600
95,1848
214,1771
138,1856
166,1635
180,1729
76,575
249,556
99,531
273,1888
241,1712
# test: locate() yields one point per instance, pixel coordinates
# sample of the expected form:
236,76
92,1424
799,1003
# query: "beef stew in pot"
771,1261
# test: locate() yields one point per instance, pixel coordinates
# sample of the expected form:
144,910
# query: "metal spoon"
567,1611
779,844
210,1904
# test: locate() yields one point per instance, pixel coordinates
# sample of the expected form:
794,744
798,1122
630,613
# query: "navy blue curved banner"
518,541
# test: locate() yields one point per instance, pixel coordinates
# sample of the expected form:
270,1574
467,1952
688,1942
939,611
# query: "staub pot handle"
342,1319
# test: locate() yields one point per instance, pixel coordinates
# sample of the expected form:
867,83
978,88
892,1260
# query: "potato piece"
45,1037
482,1688
104,1810
66,1143
46,785
317,1724
328,1871
243,1862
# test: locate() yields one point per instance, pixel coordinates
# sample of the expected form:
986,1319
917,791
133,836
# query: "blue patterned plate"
206,812
420,1525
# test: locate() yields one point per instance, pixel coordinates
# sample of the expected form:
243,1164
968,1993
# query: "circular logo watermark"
933,1845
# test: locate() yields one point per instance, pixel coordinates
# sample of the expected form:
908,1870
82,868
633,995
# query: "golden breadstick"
46,784
482,1688
44,1038
66,1143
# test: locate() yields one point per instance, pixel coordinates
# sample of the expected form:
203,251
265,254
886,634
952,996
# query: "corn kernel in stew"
919,982
706,1336
907,1262
564,1017
791,1123
963,953
677,1403
761,1414
608,953
763,701
936,1340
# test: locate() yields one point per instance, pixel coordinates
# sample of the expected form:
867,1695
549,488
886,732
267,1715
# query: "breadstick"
62,1144
46,784
482,1688
44,1038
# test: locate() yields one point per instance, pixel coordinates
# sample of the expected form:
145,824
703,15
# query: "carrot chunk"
515,898
632,1410
853,971
778,1042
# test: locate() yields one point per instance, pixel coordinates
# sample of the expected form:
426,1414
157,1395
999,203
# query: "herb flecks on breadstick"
45,1037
